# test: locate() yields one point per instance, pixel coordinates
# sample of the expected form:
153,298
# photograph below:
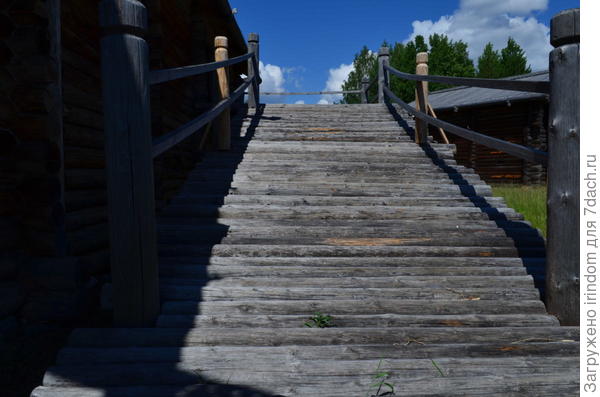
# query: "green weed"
319,320
380,379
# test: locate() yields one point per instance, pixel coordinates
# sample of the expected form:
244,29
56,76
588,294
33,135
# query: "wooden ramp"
334,209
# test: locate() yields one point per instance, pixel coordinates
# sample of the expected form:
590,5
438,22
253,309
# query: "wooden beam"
562,272
129,168
441,130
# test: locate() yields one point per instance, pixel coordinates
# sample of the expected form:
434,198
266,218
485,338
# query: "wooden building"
518,117
53,214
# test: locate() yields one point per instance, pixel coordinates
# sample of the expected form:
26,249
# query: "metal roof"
462,97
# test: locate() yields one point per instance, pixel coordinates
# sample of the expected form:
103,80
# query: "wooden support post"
364,86
224,120
421,98
254,89
562,259
383,57
129,171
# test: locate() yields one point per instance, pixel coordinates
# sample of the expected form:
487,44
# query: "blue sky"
309,45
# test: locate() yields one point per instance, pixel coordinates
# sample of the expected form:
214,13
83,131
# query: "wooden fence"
562,158
126,81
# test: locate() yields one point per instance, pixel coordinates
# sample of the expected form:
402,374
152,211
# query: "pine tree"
448,58
489,63
513,60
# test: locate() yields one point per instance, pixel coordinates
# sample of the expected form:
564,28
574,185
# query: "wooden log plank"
107,337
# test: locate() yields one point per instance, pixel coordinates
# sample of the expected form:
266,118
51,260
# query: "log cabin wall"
521,122
53,229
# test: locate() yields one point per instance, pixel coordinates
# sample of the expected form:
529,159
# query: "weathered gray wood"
562,287
166,75
410,254
383,58
129,166
364,87
365,320
107,337
253,71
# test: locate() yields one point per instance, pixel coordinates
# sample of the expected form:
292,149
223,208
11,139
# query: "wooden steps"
333,209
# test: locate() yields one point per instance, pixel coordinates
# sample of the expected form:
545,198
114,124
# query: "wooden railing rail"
562,158
129,148
166,75
542,87
314,93
520,151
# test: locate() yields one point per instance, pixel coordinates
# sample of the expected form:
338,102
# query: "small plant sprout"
438,368
319,320
380,383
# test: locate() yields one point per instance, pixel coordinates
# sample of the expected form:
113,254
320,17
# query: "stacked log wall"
521,122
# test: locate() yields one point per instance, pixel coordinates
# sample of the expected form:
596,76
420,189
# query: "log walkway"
334,209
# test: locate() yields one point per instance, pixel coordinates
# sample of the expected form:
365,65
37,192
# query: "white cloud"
323,102
272,77
300,102
336,78
478,22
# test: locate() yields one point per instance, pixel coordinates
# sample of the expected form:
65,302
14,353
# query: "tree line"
446,58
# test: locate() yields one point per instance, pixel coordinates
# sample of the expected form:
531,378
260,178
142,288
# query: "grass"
528,200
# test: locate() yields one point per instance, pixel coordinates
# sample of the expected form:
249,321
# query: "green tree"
448,58
489,63
403,58
365,64
513,60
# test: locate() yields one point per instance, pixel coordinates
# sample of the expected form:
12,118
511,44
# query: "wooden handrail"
167,141
495,84
166,75
562,159
520,151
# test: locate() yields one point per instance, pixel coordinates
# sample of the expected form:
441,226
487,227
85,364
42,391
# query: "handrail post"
254,89
129,168
562,259
383,57
421,98
224,120
363,90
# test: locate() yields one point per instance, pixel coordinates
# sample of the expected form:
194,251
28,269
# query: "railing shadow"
522,235
165,359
